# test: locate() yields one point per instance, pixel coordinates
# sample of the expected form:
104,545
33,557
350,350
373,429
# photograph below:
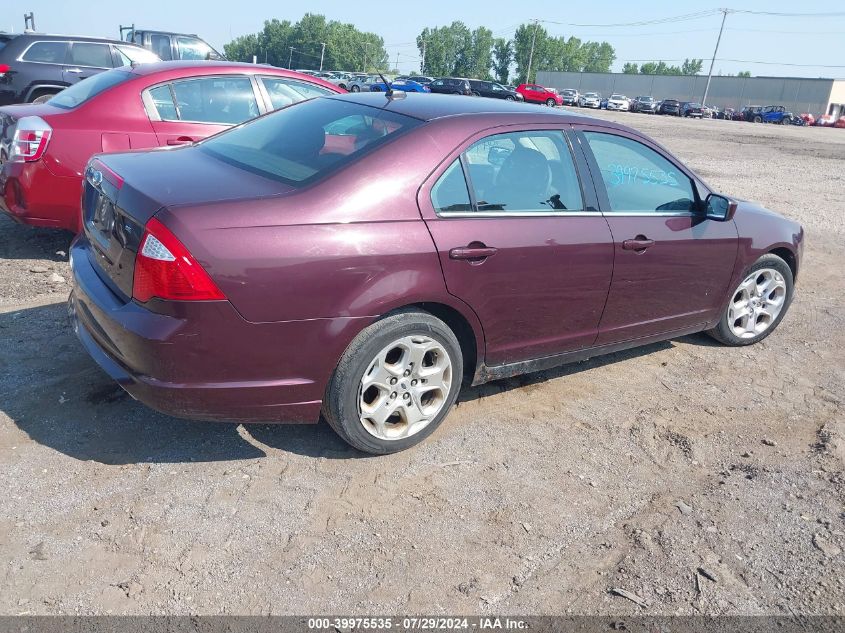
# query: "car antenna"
389,93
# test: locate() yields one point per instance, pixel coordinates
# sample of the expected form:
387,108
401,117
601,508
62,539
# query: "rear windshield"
303,142
79,93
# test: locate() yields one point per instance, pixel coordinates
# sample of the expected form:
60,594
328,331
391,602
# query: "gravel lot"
699,478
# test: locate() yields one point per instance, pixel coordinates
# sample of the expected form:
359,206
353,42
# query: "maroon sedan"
44,148
365,255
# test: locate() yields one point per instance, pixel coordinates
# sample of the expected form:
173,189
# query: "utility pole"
366,52
531,54
715,52
397,63
322,55
290,59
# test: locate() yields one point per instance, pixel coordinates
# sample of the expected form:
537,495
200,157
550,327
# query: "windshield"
591,95
569,92
646,99
306,141
79,93
617,97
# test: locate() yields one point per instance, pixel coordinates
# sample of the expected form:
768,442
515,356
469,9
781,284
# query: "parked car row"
224,278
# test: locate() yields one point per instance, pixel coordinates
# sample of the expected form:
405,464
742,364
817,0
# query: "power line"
668,20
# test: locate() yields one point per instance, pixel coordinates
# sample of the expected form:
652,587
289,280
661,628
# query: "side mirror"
719,208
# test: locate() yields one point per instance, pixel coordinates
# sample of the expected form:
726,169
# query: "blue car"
776,114
405,85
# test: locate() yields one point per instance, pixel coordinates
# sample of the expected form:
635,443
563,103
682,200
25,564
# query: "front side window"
302,143
192,48
221,100
46,52
637,178
90,54
161,46
284,92
530,171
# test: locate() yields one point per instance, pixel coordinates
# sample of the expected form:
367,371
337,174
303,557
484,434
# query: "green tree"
692,66
502,58
522,39
347,48
597,57
744,73
630,69
482,53
447,50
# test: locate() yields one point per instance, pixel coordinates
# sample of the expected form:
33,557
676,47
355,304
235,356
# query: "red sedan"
535,93
44,148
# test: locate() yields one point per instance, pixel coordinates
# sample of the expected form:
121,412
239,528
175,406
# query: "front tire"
356,88
550,103
758,304
395,383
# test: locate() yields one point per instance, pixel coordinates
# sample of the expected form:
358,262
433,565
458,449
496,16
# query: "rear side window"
450,194
162,100
637,178
222,100
90,54
284,92
46,52
524,171
302,143
161,46
79,93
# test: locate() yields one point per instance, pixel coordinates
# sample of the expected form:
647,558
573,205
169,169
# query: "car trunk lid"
123,191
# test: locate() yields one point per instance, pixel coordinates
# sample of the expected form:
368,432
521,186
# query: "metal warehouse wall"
797,95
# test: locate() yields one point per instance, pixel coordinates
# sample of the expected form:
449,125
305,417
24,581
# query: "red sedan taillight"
32,135
164,268
4,68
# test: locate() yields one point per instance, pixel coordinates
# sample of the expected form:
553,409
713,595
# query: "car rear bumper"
202,360
32,194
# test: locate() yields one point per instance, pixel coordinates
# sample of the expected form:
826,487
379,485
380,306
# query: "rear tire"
43,95
355,88
758,304
758,119
395,383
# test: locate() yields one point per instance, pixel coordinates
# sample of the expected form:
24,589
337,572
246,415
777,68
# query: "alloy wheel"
756,303
404,388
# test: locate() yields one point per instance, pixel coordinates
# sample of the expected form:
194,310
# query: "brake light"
4,68
164,268
31,138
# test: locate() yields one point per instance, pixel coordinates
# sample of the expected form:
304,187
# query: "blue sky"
777,40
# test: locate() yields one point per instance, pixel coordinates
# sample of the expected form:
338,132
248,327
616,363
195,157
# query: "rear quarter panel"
352,245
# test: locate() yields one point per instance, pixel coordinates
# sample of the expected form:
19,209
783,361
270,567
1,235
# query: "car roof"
211,66
175,69
137,30
50,37
429,107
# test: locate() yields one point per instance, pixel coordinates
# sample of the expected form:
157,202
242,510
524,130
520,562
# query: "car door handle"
76,71
182,140
472,252
639,244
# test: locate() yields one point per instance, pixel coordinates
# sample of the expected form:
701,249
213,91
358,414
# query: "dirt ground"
698,478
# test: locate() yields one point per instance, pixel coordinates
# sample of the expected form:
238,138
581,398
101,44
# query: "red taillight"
4,68
32,135
164,268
